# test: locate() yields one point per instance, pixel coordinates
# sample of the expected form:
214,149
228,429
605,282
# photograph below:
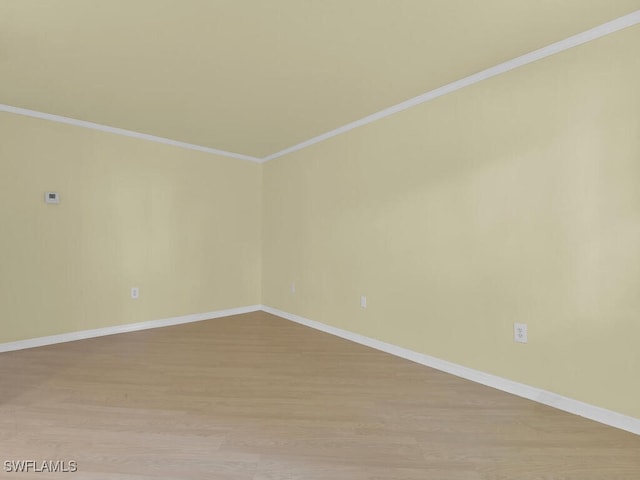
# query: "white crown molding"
120,131
560,46
131,327
576,407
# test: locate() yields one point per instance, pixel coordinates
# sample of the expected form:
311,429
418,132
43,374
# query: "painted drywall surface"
514,200
180,225
295,70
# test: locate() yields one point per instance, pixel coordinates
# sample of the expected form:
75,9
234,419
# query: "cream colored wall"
181,225
514,200
296,68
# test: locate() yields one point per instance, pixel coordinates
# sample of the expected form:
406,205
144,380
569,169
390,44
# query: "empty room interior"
320,239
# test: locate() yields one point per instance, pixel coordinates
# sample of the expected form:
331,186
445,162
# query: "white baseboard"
131,327
598,414
592,412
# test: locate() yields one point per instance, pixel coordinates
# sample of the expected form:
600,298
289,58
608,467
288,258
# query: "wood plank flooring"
255,397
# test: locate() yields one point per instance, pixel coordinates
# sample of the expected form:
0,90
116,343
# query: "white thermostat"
51,197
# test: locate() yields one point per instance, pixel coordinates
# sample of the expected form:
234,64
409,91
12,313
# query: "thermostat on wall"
51,197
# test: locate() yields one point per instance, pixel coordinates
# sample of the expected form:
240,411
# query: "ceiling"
254,76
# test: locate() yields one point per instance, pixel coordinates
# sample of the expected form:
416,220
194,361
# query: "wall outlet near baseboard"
135,293
520,333
293,287
363,301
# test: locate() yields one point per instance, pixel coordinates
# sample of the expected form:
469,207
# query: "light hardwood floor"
255,397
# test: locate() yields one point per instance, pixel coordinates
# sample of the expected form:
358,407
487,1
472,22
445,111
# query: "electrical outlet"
134,292
520,333
293,287
363,301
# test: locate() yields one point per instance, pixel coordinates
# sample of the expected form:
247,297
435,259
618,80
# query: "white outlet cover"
520,332
363,301
293,287
134,292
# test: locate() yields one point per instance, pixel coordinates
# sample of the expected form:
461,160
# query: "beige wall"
514,200
181,225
